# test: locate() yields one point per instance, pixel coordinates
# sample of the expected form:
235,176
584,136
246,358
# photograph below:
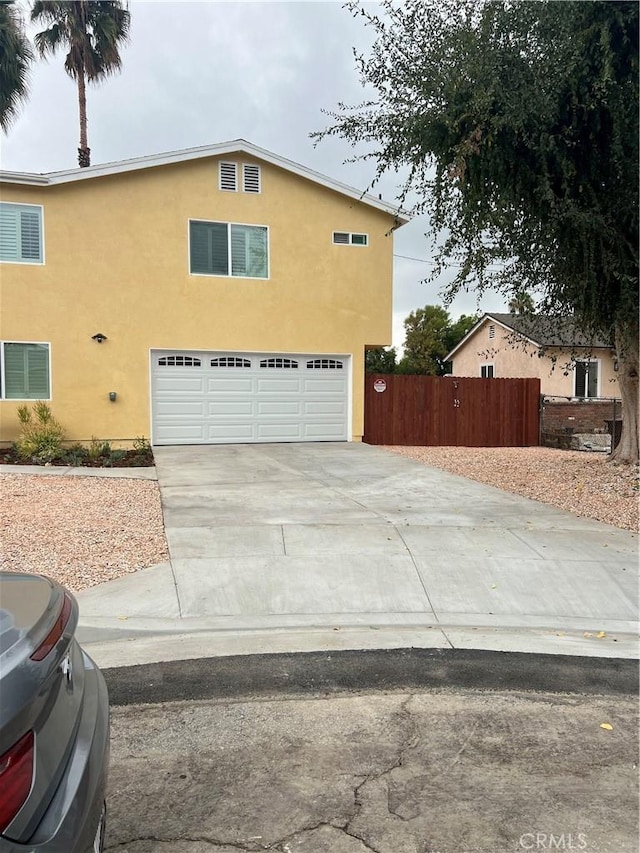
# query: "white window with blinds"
228,249
347,238
21,233
25,371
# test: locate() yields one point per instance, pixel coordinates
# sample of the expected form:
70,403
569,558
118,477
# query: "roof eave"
481,322
171,157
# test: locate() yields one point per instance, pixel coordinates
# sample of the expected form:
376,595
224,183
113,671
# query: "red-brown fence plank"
452,410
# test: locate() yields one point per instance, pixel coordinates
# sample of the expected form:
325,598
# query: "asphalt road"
396,752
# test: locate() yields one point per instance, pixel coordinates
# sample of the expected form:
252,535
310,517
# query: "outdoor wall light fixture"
99,337
112,396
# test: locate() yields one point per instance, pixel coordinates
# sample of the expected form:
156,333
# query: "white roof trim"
221,149
481,322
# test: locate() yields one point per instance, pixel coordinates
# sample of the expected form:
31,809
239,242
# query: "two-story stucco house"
567,362
217,294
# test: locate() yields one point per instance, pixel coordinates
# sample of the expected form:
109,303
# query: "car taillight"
16,773
56,632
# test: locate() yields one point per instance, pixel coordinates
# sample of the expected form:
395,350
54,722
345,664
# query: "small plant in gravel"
41,435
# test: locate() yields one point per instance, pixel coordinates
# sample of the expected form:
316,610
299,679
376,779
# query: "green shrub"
141,445
98,448
41,435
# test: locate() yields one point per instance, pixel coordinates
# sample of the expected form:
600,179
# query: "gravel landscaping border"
586,484
81,531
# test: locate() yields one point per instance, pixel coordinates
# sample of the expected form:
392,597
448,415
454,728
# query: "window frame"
485,366
229,274
586,396
3,384
351,235
41,262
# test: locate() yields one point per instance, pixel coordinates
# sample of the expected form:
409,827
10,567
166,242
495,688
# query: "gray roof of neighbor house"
541,330
236,146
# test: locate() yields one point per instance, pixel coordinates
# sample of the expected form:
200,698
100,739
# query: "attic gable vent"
228,176
492,332
250,178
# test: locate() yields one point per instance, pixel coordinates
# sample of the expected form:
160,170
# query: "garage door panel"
270,385
324,386
280,431
177,409
180,433
230,385
231,431
323,432
324,407
220,397
279,407
176,384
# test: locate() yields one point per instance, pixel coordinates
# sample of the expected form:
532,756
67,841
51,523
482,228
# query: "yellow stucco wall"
523,361
116,262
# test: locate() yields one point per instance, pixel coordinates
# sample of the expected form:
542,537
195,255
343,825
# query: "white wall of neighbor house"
510,361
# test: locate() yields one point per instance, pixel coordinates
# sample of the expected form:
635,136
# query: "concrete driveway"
292,547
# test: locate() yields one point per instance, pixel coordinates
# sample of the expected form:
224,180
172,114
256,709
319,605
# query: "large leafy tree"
429,336
92,34
380,360
517,124
15,56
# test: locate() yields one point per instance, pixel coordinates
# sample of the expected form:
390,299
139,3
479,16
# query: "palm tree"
15,56
92,32
521,303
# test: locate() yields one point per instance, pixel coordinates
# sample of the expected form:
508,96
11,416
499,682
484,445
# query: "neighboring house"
217,294
567,362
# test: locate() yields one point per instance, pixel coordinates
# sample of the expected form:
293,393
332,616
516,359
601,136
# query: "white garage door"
231,397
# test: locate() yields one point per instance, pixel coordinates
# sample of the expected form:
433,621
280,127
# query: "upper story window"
228,174
346,238
586,375
24,371
229,249
486,371
21,240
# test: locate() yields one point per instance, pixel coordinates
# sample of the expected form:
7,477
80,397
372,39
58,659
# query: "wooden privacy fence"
451,410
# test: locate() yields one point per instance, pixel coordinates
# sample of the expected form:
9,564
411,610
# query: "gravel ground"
81,531
582,483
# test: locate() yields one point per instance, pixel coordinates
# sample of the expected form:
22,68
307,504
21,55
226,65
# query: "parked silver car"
54,724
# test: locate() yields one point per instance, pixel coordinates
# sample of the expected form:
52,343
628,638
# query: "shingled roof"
541,330
550,331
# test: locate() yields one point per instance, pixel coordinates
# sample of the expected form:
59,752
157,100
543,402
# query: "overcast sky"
198,73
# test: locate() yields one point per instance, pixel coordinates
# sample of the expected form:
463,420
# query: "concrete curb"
322,674
60,471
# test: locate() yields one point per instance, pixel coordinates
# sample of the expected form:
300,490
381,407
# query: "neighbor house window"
486,371
223,248
346,238
21,233
24,371
586,378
